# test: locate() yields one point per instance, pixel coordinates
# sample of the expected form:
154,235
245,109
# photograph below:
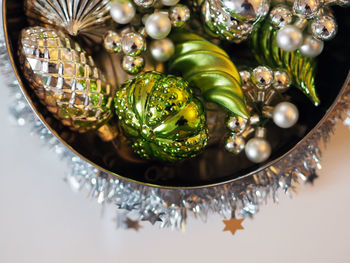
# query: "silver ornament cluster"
170,207
261,85
305,25
233,19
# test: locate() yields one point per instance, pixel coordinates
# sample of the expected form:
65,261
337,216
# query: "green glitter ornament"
161,117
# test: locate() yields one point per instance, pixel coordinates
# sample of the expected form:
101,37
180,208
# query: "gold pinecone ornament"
65,78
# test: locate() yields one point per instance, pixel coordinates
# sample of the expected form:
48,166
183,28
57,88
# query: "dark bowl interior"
215,165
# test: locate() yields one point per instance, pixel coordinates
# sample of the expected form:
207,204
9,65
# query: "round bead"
324,28
311,47
111,42
237,124
306,8
170,2
282,80
285,115
289,38
262,77
234,144
158,25
179,14
122,11
133,44
258,150
246,10
281,16
245,76
162,49
133,65
144,3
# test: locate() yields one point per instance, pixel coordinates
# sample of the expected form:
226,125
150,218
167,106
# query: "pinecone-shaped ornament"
65,78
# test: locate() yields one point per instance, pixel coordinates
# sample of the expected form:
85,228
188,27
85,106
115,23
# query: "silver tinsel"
170,208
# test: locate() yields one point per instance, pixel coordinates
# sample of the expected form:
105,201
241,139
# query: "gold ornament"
65,78
233,225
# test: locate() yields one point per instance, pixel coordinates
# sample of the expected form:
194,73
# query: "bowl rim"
238,179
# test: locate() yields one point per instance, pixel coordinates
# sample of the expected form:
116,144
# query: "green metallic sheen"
267,52
209,68
161,117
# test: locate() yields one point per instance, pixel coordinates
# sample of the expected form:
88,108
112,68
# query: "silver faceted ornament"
306,8
179,15
133,44
285,115
246,10
144,3
122,11
236,124
133,65
112,42
258,150
262,77
162,49
234,144
324,27
281,16
73,16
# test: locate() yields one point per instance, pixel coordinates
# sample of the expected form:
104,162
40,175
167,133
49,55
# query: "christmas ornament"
65,79
233,225
161,117
163,49
122,11
232,19
207,67
158,25
73,16
179,15
266,51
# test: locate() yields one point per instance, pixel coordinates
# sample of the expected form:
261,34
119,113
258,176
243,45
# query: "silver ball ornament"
234,144
306,8
262,77
179,15
133,65
285,115
324,27
258,150
158,25
162,49
133,44
122,11
281,16
282,80
144,3
245,76
170,2
112,42
289,38
246,10
236,124
311,47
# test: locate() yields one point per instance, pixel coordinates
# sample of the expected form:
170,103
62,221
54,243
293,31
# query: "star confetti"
132,224
233,225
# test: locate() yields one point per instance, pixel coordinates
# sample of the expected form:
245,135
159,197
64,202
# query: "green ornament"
209,68
267,52
161,117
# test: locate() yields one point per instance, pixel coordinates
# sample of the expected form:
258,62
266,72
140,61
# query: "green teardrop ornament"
209,68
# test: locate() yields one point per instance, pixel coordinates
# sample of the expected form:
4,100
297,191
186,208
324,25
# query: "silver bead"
281,16
234,144
158,25
311,47
122,11
285,115
144,3
237,124
179,15
306,8
282,80
262,77
133,65
170,2
324,27
258,150
162,49
246,10
245,76
112,42
289,38
133,44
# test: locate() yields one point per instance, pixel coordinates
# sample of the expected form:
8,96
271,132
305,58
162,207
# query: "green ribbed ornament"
209,68
267,52
161,117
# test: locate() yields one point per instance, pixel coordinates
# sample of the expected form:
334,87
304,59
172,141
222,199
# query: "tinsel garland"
240,198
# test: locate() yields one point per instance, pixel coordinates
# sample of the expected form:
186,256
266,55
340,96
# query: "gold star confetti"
132,224
233,225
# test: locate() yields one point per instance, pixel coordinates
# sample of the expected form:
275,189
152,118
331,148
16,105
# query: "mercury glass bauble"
112,42
289,38
282,80
162,49
234,144
122,11
311,46
262,77
236,124
285,115
158,25
258,150
133,44
179,15
246,10
281,16
144,3
324,27
306,8
133,65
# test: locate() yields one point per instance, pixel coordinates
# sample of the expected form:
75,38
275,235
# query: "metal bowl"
214,166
